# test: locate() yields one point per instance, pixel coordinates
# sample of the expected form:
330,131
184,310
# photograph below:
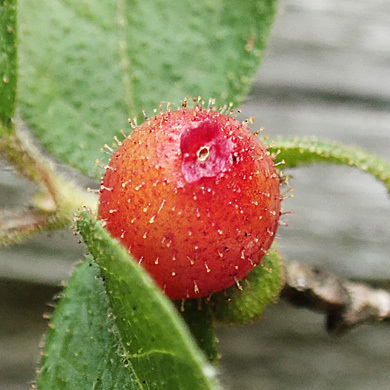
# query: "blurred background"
326,74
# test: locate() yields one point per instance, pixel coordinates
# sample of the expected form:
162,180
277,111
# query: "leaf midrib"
125,63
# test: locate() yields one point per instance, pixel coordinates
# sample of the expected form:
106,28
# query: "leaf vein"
124,58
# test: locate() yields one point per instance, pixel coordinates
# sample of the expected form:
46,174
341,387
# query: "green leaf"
86,66
8,62
299,151
82,348
156,342
200,319
261,288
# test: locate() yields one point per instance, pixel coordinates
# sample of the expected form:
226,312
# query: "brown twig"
345,303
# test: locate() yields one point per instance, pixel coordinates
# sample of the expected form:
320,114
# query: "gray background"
326,74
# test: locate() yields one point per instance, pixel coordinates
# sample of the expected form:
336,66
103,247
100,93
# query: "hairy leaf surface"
86,66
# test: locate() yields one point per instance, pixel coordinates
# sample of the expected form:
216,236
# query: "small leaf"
200,319
261,288
156,341
299,151
86,66
8,62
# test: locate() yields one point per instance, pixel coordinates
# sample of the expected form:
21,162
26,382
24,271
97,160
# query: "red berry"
195,198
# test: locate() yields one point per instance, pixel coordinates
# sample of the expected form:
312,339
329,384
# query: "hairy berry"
194,196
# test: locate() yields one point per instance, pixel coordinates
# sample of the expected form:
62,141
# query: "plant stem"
346,304
52,209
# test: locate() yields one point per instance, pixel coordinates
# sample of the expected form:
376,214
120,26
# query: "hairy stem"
55,206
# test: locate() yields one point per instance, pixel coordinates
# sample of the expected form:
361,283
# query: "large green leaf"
156,343
82,348
85,66
300,151
8,64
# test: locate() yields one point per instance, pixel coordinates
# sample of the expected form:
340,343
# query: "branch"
345,303
17,224
54,206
